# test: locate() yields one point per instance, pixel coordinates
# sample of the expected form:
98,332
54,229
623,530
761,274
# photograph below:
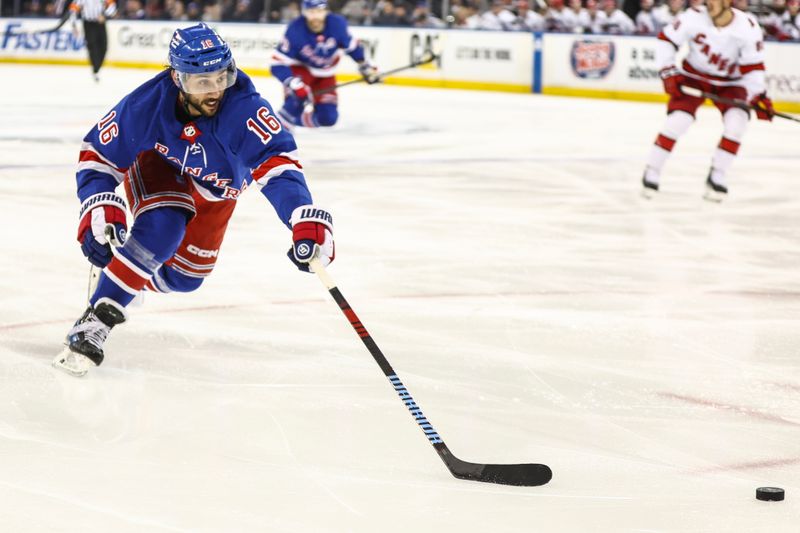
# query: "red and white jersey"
731,55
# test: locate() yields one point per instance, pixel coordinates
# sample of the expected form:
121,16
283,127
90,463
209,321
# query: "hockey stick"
525,475
115,240
741,104
431,57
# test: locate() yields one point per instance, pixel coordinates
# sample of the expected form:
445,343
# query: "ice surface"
496,247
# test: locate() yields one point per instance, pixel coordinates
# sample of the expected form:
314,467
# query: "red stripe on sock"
127,276
665,142
729,145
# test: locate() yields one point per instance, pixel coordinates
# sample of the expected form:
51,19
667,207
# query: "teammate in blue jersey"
305,62
184,145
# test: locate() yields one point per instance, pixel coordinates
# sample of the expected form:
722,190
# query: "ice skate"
714,191
84,342
649,188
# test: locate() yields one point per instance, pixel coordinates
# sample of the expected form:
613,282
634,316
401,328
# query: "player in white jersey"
726,58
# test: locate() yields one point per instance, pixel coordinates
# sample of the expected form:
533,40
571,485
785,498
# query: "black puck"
769,494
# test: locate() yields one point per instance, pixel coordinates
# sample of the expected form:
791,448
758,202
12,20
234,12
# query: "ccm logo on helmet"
199,252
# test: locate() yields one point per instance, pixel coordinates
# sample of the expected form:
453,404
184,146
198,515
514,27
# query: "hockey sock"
735,124
153,239
675,126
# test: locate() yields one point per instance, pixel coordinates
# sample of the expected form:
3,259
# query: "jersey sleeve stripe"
101,167
90,158
282,59
744,69
274,166
354,43
662,36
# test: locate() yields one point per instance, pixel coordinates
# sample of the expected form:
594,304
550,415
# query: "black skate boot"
714,191
649,188
85,340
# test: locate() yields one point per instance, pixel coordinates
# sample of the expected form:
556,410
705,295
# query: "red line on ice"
749,411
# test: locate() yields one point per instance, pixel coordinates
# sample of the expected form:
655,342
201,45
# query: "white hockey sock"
675,126
735,124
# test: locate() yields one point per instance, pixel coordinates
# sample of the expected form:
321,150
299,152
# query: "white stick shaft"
321,273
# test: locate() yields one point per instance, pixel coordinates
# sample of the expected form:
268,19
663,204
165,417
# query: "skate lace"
94,331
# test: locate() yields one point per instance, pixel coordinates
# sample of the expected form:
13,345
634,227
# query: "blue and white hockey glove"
312,233
369,72
96,212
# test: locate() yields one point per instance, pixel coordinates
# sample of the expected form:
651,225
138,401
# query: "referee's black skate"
84,343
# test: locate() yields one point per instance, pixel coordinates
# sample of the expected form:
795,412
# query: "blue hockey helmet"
202,60
315,4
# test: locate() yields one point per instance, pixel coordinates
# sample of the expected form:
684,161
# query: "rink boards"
621,67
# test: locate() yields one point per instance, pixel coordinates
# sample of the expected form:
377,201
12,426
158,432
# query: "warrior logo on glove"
312,232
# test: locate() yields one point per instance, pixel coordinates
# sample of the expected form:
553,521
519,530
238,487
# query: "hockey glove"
369,72
312,232
673,79
762,105
298,88
97,211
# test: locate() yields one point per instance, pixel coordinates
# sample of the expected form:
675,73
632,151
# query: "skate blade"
649,193
714,196
73,363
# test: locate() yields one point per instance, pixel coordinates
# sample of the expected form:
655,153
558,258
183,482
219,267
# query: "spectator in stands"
497,17
289,12
646,21
401,14
153,10
527,19
133,10
584,22
560,19
421,17
466,17
666,12
193,11
777,23
384,14
212,11
176,10
613,20
242,12
357,12
793,18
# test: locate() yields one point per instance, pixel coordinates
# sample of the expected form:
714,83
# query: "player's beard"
316,26
203,104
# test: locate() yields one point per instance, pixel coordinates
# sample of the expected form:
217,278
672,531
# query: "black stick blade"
520,475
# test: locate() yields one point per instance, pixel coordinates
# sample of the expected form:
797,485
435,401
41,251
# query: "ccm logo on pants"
199,252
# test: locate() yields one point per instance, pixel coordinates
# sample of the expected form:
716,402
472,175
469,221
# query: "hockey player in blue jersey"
185,145
305,62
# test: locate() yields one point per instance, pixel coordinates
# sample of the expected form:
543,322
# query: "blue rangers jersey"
319,52
241,145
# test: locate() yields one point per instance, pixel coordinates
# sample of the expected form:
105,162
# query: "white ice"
496,248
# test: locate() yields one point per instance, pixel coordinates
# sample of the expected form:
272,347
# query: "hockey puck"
769,494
